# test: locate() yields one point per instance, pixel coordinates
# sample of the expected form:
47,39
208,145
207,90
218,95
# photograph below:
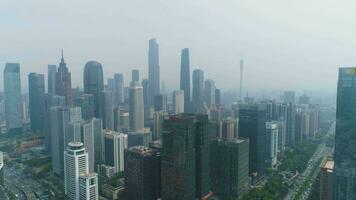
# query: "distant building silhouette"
153,71
63,82
36,91
94,83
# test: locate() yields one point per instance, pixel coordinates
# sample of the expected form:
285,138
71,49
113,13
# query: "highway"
314,162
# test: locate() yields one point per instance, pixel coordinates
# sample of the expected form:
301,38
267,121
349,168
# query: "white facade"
115,145
178,101
272,143
136,106
75,164
88,187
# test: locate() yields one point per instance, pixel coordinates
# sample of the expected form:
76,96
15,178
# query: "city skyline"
266,49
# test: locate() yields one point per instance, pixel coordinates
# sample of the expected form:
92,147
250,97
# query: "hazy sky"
286,44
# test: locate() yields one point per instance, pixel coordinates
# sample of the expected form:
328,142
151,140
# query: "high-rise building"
136,108
289,97
153,71
210,93
13,98
178,101
75,164
64,82
304,99
135,75
229,128
88,186
185,157
114,145
217,96
198,89
185,78
36,90
51,79
327,180
87,105
157,125
94,83
252,125
106,109
93,139
229,172
142,137
281,136
271,144
144,84
2,178
345,133
160,102
60,119
119,97
142,167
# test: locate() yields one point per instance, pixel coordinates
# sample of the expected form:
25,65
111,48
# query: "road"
321,153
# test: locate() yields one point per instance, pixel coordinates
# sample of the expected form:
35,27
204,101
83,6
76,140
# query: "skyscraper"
36,90
92,137
136,108
51,79
64,82
160,102
210,93
153,71
94,83
198,89
135,75
75,164
185,78
13,98
106,109
185,157
86,103
217,96
271,143
178,101
119,97
115,143
229,160
345,134
142,167
252,125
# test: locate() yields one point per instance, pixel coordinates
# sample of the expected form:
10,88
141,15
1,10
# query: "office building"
87,105
185,157
178,102
36,91
142,167
217,97
93,139
157,125
106,170
13,98
229,172
136,108
327,180
185,78
252,125
142,137
51,79
198,89
228,128
115,143
160,102
153,71
119,97
106,109
135,75
88,187
94,83
345,132
75,164
64,82
209,93
271,144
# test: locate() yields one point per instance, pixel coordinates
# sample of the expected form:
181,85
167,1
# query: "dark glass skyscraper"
153,71
345,136
36,89
198,89
63,82
252,125
185,78
51,79
142,173
135,73
94,83
185,165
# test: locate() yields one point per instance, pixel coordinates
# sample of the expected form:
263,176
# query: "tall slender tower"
94,83
136,106
198,89
63,81
36,90
241,78
153,71
185,78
